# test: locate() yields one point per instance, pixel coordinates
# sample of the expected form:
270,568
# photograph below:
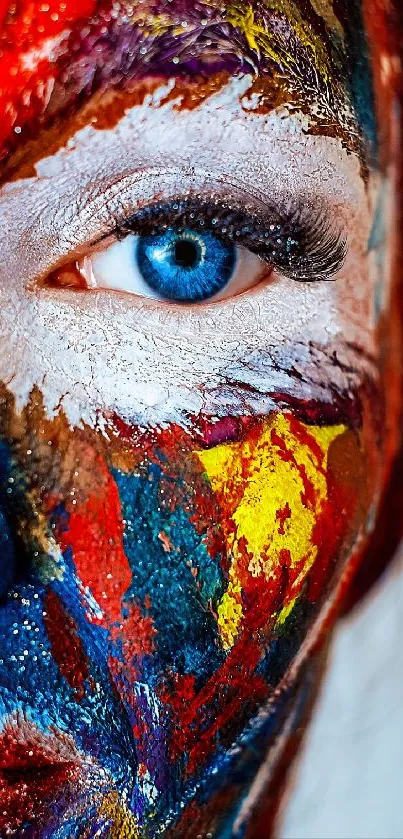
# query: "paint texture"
174,575
173,554
311,61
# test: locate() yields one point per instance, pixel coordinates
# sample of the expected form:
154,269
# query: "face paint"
187,485
174,576
298,59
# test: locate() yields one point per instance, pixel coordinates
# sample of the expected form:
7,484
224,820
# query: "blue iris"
185,265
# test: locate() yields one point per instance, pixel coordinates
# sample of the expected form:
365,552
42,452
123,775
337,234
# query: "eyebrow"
52,64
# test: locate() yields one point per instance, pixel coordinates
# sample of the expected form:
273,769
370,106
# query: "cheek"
169,580
186,551
247,518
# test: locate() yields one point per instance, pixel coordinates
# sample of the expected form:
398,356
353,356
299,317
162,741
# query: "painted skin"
185,490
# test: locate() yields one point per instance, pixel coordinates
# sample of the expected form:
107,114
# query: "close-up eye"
189,252
182,266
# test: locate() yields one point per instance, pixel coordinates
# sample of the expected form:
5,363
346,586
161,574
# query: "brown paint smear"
189,93
272,93
103,112
106,108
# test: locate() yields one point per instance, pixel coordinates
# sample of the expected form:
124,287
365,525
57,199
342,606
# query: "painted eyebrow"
291,58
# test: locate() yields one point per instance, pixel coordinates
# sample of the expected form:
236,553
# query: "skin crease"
188,487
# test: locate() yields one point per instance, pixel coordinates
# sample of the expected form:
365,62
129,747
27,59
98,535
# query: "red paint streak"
67,648
245,703
196,718
282,515
95,535
27,77
301,433
308,496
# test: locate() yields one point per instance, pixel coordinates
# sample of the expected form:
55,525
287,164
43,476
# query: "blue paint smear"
7,548
358,74
183,583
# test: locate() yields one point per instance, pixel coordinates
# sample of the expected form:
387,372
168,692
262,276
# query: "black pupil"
186,253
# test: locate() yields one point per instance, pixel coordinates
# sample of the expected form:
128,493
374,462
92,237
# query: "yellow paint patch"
123,825
244,20
262,40
261,485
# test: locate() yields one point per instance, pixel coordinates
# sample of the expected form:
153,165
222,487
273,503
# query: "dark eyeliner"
303,246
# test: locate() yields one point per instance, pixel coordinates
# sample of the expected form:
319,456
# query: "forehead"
307,54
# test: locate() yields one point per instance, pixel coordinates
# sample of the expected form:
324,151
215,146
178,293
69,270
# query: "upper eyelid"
119,198
301,247
255,212
89,218
131,192
81,221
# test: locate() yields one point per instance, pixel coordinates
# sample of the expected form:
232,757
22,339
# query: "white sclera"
116,268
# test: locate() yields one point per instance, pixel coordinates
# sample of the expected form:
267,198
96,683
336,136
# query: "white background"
349,783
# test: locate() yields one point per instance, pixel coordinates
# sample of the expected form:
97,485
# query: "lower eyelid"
70,280
171,313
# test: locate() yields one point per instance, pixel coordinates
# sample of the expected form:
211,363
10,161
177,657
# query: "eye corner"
66,277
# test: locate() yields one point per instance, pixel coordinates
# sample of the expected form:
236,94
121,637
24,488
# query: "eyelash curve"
302,248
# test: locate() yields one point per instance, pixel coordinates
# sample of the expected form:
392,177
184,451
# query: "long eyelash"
303,249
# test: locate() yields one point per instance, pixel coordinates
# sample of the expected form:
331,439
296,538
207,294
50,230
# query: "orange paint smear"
27,71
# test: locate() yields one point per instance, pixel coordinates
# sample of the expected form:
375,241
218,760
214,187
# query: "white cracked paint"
97,352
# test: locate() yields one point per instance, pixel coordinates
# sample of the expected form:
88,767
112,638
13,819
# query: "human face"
192,431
